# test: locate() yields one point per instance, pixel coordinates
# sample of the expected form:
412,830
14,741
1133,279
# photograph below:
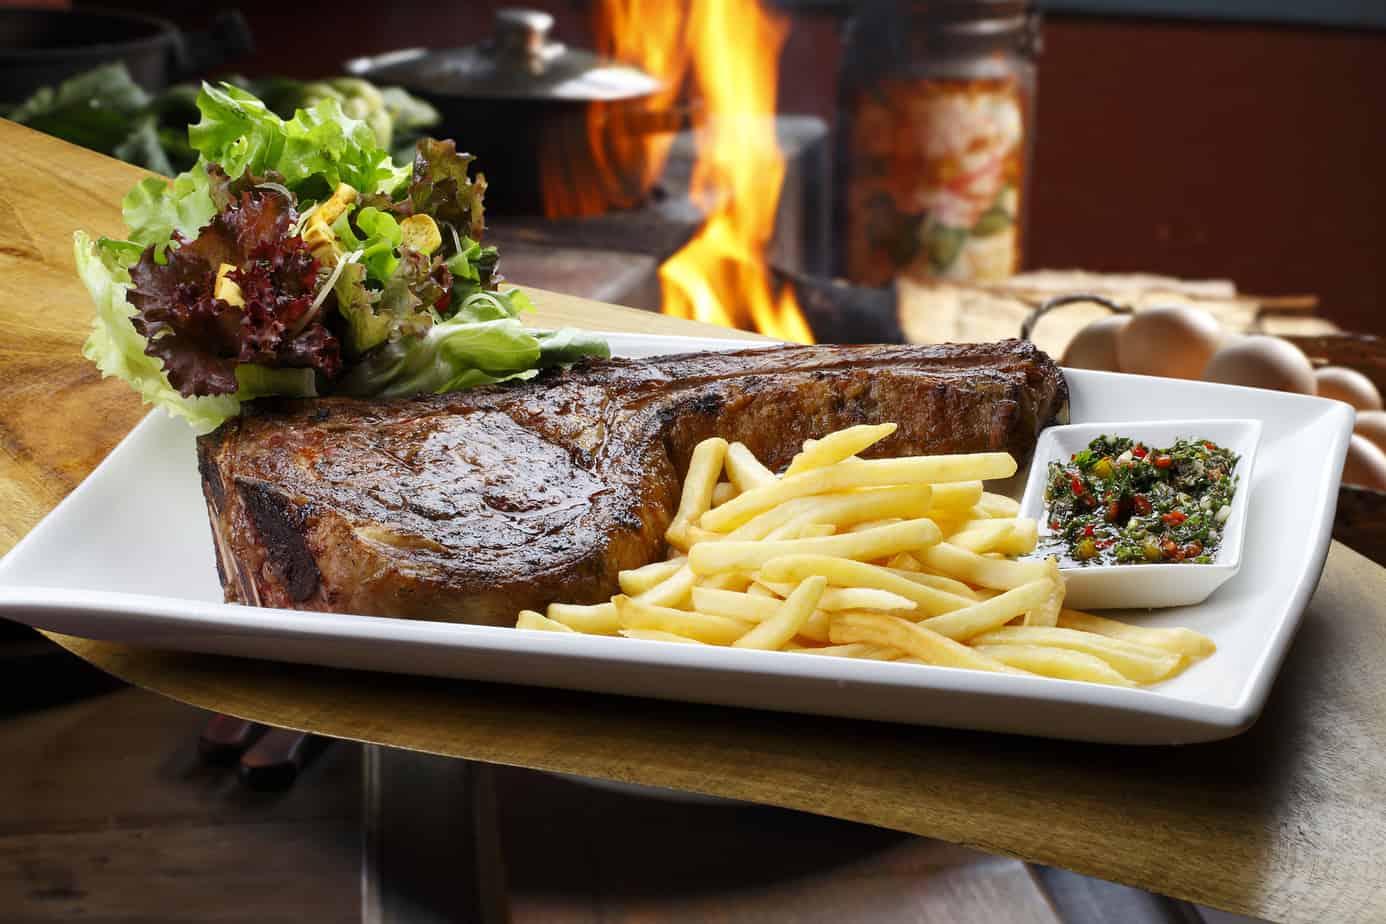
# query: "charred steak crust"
471,506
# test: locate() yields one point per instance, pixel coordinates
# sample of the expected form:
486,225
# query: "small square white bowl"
1148,586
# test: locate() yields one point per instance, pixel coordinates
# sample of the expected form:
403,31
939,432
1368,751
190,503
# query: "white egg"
1261,361
1095,346
1173,340
1348,385
1365,465
1372,425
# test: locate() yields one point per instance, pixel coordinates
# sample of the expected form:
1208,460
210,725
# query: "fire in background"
720,276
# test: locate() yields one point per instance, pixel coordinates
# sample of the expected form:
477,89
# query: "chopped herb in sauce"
1121,502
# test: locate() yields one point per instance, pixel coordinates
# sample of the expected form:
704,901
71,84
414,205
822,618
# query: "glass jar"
934,137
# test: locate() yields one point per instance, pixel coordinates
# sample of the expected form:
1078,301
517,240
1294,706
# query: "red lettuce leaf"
201,338
440,186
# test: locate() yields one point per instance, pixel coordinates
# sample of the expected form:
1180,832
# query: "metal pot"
42,47
521,103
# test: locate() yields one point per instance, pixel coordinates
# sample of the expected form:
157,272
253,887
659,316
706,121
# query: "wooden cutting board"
1284,822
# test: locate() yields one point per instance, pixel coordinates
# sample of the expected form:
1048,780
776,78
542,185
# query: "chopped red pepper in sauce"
1119,502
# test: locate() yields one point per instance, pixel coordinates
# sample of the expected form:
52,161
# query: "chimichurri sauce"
1121,502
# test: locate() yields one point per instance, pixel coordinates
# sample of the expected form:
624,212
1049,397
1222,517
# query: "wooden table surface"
1285,822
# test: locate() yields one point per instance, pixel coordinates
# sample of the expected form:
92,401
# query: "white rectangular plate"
128,557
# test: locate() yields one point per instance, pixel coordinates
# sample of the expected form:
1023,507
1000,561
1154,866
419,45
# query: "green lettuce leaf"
474,274
117,350
568,345
457,354
314,151
155,208
237,130
323,142
382,236
365,329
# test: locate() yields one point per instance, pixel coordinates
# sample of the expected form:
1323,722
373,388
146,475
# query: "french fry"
723,492
1047,613
981,536
1017,536
759,590
1137,662
729,580
912,639
755,608
847,598
783,531
654,635
1186,642
873,524
595,619
714,630
744,606
835,447
907,501
714,557
528,619
1056,662
974,569
852,650
704,468
986,615
692,535
635,581
858,473
788,619
843,572
956,496
936,581
744,469
998,505
671,591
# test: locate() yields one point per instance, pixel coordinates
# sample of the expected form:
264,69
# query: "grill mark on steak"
471,506
281,525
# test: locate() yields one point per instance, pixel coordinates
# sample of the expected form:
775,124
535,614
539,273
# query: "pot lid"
519,61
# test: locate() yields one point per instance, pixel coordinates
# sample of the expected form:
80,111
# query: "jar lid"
896,34
519,61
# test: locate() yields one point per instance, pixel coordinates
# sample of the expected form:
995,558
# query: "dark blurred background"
1181,142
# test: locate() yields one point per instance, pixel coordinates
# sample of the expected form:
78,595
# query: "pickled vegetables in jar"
935,133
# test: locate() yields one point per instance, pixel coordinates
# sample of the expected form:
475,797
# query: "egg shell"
1343,384
1372,425
1095,346
1175,341
1261,361
1365,465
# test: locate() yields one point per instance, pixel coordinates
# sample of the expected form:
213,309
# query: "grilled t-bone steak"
471,506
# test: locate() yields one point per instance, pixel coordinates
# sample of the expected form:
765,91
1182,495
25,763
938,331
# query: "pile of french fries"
905,559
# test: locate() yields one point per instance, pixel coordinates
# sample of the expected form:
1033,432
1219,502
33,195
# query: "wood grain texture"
108,816
1283,822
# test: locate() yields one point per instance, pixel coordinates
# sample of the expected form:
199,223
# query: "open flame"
730,50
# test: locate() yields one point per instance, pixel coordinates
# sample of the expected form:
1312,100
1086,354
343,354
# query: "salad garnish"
296,258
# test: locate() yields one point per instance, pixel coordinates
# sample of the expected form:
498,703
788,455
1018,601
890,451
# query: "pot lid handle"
522,35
